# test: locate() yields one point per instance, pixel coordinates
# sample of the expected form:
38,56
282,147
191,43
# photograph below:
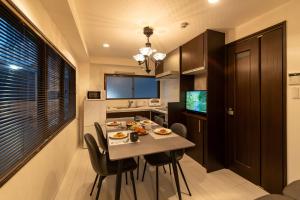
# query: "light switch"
294,78
295,94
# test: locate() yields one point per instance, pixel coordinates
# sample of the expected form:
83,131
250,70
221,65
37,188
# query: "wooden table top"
147,145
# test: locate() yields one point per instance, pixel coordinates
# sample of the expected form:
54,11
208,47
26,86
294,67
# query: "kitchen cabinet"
193,54
128,114
203,52
196,128
159,69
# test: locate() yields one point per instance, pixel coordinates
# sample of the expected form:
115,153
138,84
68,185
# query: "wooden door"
243,97
272,111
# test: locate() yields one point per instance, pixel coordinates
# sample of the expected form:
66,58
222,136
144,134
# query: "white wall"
290,13
41,177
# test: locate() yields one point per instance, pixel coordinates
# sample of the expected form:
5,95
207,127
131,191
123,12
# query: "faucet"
130,102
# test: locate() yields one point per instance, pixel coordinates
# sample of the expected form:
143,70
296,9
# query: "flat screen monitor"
196,101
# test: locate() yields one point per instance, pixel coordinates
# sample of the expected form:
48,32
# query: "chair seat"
158,159
274,197
292,190
109,167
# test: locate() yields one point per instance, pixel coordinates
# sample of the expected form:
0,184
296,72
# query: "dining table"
150,143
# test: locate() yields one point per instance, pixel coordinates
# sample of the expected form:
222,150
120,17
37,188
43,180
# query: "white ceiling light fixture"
105,45
213,1
145,53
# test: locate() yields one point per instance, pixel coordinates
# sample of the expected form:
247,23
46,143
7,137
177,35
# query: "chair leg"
144,171
126,178
170,169
133,184
94,184
138,168
99,186
164,169
182,174
157,186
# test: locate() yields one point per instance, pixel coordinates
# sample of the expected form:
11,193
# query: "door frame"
281,25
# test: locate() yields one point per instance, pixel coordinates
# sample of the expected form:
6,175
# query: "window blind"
37,93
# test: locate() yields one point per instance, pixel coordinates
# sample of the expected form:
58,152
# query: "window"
37,93
131,87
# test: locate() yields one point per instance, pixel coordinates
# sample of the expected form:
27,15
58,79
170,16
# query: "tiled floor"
219,185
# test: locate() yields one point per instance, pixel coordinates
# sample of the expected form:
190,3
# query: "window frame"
132,76
42,74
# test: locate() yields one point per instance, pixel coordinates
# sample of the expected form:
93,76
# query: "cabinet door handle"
230,111
199,126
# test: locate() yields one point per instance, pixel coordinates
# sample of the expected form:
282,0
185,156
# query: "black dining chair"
159,120
104,167
161,159
103,145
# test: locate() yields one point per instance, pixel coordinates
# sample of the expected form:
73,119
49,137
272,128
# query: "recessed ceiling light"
105,45
213,1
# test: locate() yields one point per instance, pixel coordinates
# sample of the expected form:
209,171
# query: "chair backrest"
94,152
181,130
159,120
101,139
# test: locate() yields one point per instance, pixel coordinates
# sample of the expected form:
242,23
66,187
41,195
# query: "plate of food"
162,131
118,135
141,131
114,123
145,122
130,123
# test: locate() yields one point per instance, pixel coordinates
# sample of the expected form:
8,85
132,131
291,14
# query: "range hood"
168,75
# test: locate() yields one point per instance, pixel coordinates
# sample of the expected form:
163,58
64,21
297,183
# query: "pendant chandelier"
147,54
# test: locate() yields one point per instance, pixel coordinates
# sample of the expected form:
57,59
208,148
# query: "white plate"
113,136
113,123
158,131
145,122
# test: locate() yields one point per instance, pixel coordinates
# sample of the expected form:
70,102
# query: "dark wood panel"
128,114
243,58
159,69
214,45
193,53
272,111
195,134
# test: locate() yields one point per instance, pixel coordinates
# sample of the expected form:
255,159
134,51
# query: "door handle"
230,112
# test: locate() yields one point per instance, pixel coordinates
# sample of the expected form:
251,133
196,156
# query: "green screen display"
196,101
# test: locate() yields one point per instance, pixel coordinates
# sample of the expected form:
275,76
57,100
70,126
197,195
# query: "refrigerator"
94,111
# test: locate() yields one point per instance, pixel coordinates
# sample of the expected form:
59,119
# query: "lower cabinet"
128,114
196,129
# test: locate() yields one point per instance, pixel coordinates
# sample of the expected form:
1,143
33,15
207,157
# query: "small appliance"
154,102
96,95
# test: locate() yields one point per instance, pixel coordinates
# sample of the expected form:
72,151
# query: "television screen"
196,101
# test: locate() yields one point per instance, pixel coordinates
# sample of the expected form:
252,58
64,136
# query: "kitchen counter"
132,109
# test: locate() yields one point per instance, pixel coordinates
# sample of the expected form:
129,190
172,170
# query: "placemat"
113,142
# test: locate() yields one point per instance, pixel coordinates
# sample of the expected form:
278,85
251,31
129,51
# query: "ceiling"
120,22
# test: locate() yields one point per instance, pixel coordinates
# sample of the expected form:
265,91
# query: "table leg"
119,180
175,172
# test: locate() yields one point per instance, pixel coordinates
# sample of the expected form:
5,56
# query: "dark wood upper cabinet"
159,69
193,53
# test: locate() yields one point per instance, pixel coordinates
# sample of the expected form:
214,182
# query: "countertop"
142,108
